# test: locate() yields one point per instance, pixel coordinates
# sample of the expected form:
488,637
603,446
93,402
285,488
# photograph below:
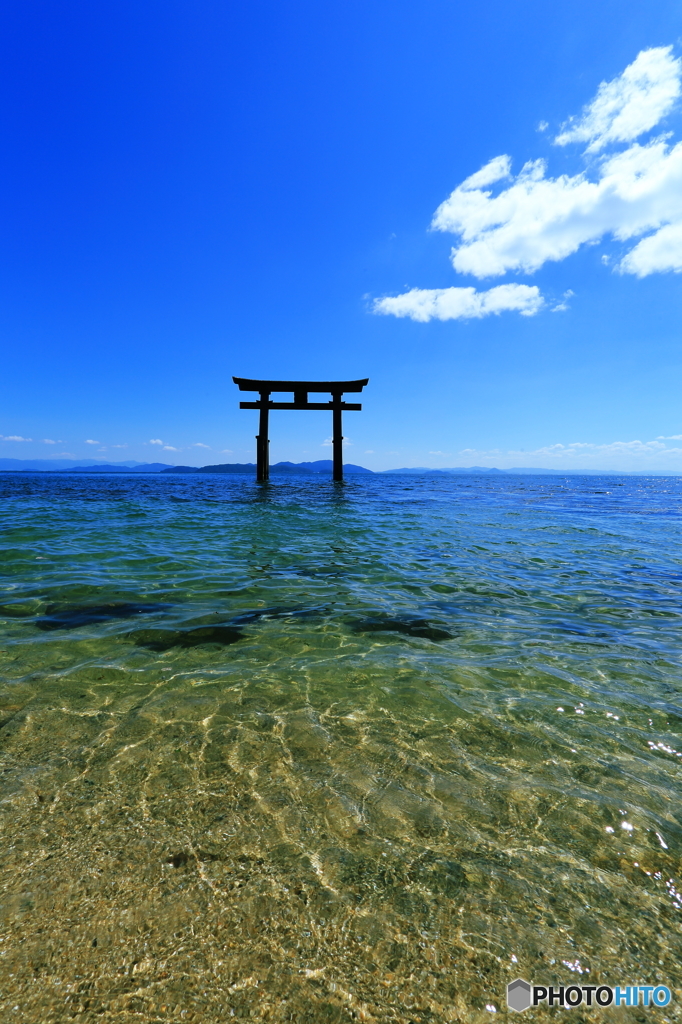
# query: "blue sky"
195,190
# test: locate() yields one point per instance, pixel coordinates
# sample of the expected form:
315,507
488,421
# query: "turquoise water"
317,752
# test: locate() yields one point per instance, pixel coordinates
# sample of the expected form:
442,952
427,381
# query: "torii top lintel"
329,386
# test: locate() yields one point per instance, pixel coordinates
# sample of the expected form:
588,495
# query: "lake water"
319,753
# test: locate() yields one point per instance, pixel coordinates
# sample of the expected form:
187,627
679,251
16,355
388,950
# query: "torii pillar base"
337,438
262,440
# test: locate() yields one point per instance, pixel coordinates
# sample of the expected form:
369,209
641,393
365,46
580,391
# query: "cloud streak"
631,104
424,304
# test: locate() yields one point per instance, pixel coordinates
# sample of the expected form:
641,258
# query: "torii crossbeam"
300,389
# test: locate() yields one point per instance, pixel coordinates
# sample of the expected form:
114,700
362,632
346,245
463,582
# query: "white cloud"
170,448
93,442
634,193
156,441
495,170
670,437
198,444
660,251
119,446
539,219
226,451
46,440
426,304
536,218
15,437
632,103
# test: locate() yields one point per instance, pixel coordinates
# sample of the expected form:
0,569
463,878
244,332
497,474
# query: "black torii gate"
300,389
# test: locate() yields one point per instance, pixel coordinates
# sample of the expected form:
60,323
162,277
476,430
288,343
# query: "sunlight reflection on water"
316,752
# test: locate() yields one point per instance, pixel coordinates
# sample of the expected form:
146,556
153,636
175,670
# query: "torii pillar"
300,390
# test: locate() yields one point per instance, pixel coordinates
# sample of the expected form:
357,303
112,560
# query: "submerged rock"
408,627
73,616
164,639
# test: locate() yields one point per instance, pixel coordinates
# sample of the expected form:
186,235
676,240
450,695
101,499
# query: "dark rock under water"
206,632
408,627
164,639
71,617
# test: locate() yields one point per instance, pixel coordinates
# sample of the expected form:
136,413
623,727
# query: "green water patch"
366,754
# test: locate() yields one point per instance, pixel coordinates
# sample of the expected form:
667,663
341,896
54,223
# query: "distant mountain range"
527,471
283,468
321,466
421,470
79,466
93,466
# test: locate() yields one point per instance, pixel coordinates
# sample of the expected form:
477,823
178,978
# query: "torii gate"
300,389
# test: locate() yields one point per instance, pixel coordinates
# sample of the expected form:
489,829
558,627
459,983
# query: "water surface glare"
324,753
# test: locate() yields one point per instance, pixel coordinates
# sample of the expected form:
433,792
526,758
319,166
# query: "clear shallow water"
323,753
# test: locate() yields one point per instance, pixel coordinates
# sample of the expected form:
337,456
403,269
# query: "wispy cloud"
563,305
631,104
476,451
635,191
198,444
46,440
227,451
426,304
93,442
119,446
583,453
170,448
583,448
14,437
670,437
156,440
